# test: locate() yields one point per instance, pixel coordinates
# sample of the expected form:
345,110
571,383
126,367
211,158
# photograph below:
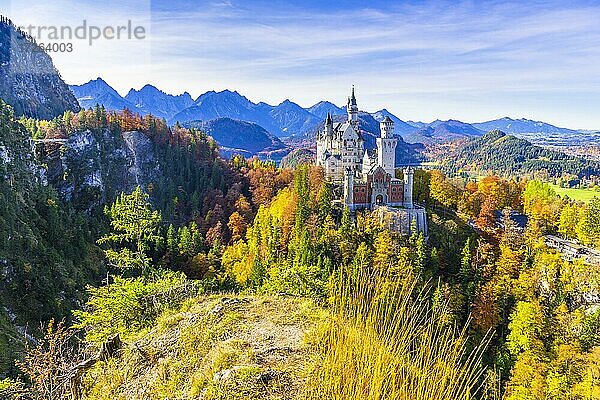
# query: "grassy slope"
215,348
584,195
379,340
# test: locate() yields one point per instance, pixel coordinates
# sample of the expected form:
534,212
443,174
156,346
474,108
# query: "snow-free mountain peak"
322,108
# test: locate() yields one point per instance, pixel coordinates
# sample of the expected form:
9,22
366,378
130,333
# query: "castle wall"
396,192
404,220
361,194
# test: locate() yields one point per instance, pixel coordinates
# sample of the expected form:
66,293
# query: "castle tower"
349,188
408,187
324,140
386,147
352,108
328,126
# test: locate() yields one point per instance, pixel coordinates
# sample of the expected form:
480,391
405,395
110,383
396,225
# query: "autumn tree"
487,219
570,217
542,205
49,364
442,190
237,225
590,223
526,329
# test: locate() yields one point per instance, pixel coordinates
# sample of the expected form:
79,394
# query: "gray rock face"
29,82
17,162
142,165
91,168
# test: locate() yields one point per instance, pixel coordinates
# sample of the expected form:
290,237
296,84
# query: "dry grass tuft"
384,342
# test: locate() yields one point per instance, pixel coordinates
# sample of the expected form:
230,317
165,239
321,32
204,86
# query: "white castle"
368,177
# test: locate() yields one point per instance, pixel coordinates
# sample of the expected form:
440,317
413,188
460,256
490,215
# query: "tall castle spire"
352,108
328,125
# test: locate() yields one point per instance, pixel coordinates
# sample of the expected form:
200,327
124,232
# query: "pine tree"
134,227
419,256
466,272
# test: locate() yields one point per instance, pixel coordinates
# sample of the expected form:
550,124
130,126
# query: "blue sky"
471,60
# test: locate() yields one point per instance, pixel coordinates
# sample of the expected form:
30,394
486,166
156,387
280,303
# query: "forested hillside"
46,247
507,155
357,295
54,193
176,226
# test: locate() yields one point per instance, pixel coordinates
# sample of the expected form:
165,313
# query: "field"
584,195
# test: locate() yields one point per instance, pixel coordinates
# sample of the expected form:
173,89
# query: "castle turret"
387,128
408,187
386,147
328,126
352,108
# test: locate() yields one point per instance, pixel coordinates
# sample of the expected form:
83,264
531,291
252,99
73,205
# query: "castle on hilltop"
368,176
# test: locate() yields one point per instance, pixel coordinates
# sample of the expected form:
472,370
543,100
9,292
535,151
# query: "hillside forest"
184,275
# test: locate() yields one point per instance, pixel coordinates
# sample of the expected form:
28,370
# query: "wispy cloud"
465,59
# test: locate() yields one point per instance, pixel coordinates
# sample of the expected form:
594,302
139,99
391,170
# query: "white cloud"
395,54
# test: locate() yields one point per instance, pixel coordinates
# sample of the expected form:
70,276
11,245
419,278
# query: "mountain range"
516,126
441,131
285,119
322,108
291,121
97,91
400,127
150,100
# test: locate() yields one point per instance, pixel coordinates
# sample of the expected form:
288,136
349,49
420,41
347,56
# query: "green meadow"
584,195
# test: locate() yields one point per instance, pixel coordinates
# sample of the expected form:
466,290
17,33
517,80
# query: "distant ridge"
322,108
400,127
442,131
521,125
506,154
291,121
97,91
150,100
233,134
284,119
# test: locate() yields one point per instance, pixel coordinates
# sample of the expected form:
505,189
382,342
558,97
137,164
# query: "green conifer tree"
134,227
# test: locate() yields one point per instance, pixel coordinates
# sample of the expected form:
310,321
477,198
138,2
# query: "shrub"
130,304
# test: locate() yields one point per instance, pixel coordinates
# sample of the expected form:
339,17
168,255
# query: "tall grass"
384,342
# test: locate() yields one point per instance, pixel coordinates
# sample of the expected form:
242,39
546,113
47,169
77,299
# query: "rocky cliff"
29,82
45,259
91,167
